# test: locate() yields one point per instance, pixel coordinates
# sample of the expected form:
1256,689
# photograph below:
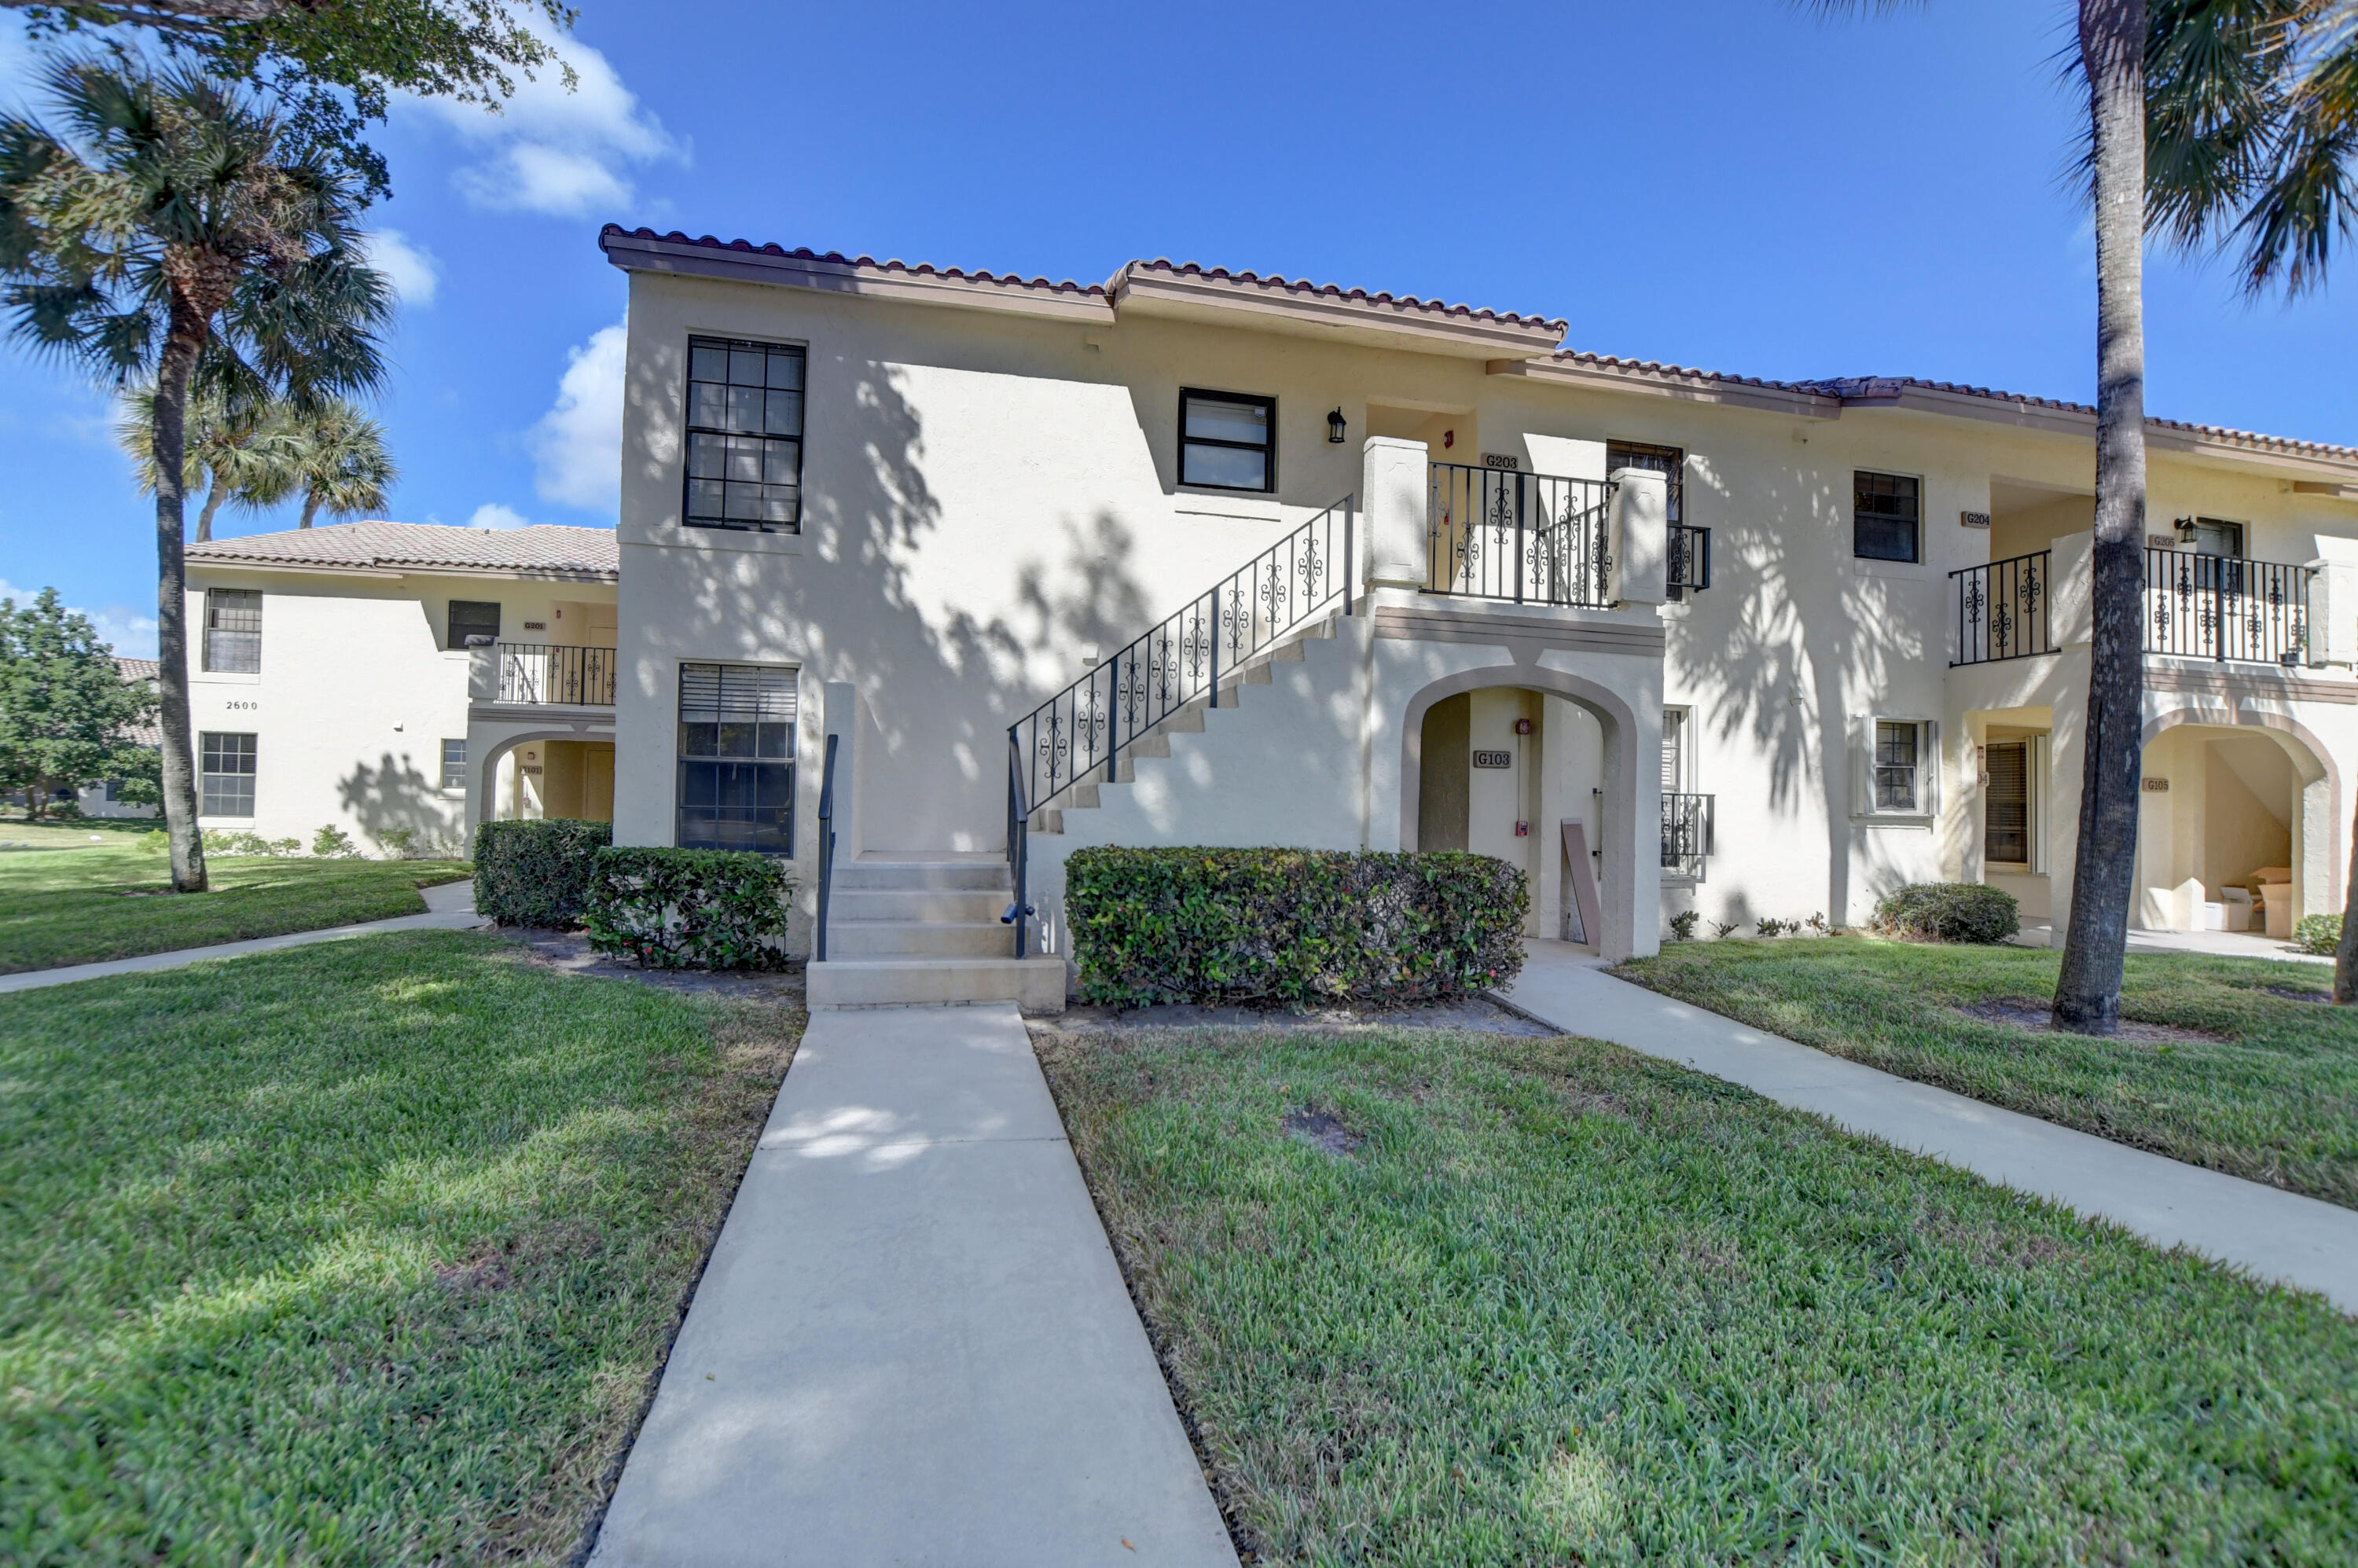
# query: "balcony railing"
2001,609
1689,563
544,672
2223,607
1530,537
1686,834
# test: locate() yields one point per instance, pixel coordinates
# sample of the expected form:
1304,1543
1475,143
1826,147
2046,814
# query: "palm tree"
172,229
245,453
343,461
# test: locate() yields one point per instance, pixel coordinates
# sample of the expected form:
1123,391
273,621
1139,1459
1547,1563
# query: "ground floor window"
227,765
2006,803
454,764
737,758
1896,745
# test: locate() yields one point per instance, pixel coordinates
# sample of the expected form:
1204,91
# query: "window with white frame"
1677,764
226,767
232,631
1897,766
737,758
454,764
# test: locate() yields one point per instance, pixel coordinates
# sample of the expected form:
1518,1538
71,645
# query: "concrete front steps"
917,930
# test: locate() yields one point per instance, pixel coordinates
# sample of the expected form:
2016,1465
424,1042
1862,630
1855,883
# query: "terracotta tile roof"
1870,389
135,669
894,268
1334,291
543,548
150,731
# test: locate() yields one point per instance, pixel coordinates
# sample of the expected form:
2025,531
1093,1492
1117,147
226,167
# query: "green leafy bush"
333,841
690,909
1682,925
537,873
1948,911
2317,934
1291,926
222,841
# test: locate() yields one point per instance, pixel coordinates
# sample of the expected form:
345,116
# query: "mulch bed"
568,952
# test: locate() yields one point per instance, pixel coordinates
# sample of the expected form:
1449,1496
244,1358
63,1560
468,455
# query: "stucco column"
1639,536
1392,485
2333,613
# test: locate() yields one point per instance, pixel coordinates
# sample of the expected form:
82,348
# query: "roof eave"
1665,382
1311,312
637,254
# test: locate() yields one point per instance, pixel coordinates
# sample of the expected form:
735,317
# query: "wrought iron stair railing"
1078,735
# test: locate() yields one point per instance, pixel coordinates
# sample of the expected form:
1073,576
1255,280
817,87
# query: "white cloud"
129,631
491,514
411,269
578,444
568,155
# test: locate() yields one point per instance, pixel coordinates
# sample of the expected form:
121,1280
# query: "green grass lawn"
361,1253
78,902
1563,1303
2272,1097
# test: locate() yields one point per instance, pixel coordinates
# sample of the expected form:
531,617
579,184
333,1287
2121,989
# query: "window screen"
1884,516
1895,765
225,763
1228,440
474,623
736,758
744,435
232,631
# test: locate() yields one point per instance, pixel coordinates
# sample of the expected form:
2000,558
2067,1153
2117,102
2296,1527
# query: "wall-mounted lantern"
1335,426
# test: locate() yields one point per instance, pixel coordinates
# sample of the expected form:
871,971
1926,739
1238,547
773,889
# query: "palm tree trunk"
311,508
213,496
2088,989
179,774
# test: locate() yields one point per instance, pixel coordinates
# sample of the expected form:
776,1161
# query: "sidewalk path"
912,1344
2275,1234
449,906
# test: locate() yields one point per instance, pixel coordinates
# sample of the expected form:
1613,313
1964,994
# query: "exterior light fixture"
1335,426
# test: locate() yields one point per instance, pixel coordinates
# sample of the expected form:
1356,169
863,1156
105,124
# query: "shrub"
221,842
537,873
1682,925
2317,934
690,909
1948,911
1290,925
333,840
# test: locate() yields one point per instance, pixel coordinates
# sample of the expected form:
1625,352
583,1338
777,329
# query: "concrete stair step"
1036,985
968,904
917,939
866,875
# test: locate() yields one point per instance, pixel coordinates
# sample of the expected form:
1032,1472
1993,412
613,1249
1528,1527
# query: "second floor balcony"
537,675
2193,605
1537,538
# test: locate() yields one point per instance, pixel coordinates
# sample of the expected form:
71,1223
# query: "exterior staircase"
924,929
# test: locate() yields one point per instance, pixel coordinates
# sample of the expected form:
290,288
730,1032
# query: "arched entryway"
1537,768
570,774
2239,825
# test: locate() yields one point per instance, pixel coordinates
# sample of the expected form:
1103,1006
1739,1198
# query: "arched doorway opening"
1537,768
2238,828
541,773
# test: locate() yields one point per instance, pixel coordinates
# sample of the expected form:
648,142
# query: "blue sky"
1732,184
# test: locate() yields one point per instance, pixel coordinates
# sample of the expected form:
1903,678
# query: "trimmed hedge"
537,873
691,909
1291,926
1948,911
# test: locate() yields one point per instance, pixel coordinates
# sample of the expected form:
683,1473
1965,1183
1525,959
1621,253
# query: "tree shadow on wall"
395,798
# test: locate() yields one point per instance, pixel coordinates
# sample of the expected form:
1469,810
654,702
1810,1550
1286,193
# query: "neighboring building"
105,799
403,679
1666,639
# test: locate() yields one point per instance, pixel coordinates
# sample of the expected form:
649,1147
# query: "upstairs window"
1228,440
474,623
737,758
225,764
232,631
1886,514
1670,462
744,435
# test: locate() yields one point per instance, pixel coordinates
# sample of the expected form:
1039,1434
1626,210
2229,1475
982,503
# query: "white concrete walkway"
2276,1234
2204,944
448,907
912,1344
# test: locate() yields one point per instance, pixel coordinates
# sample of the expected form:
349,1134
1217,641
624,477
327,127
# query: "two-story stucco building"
401,678
1200,557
